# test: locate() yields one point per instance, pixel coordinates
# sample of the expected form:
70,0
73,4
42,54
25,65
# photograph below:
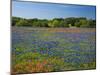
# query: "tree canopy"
56,22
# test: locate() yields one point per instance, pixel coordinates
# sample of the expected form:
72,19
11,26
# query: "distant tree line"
56,22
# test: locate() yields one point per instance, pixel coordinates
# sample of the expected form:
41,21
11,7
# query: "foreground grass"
35,62
48,50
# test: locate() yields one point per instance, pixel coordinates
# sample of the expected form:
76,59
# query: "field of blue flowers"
52,49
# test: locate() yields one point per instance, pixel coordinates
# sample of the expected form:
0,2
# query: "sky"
51,10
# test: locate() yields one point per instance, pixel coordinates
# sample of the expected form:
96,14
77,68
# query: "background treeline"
56,22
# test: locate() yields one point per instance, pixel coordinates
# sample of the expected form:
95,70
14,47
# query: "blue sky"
49,11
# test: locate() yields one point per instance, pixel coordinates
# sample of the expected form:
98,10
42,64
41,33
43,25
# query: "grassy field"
52,49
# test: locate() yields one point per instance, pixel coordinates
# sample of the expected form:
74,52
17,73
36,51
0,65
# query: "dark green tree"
23,22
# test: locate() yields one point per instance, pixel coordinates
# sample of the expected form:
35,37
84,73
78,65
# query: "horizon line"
54,18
